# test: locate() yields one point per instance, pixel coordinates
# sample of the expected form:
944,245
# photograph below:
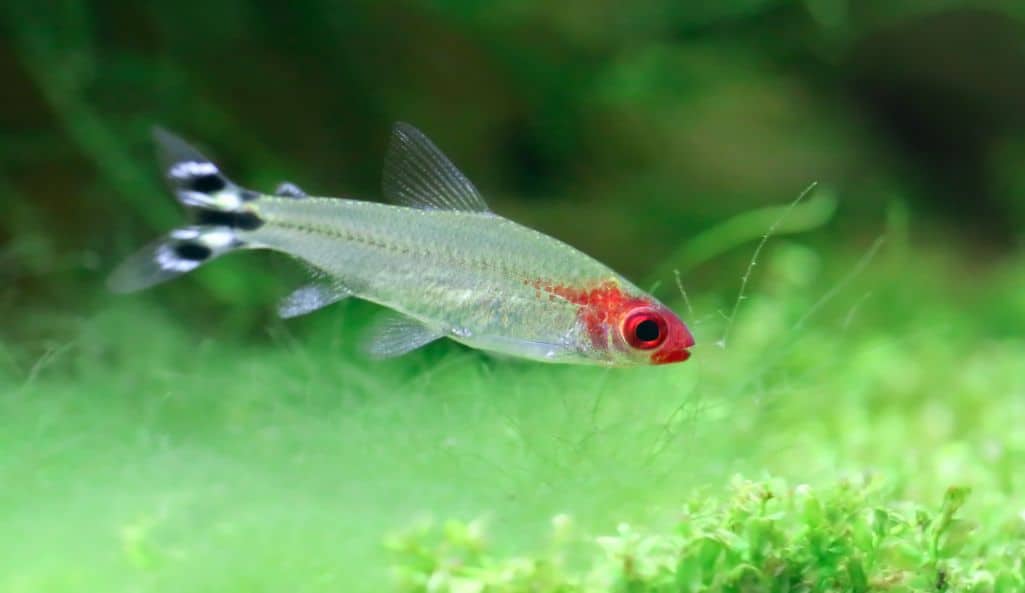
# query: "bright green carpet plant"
859,430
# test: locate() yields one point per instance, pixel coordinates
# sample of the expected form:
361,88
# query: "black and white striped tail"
219,209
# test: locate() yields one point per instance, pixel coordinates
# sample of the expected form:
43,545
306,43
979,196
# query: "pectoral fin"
395,334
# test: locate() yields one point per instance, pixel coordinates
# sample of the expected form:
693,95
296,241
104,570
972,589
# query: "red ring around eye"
645,330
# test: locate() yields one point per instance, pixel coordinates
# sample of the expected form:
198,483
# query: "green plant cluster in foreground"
141,453
767,537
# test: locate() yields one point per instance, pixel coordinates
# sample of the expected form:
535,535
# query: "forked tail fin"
218,209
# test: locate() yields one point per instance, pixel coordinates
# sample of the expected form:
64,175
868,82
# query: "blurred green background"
154,437
623,130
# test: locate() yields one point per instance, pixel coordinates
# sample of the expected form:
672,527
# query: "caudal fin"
218,209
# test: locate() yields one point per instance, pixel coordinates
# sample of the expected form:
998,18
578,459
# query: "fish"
441,262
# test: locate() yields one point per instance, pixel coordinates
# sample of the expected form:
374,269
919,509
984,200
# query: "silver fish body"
443,262
473,276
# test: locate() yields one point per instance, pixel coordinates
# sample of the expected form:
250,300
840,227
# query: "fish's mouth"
670,356
676,352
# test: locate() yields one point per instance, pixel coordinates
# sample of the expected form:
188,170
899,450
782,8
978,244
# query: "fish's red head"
656,331
623,326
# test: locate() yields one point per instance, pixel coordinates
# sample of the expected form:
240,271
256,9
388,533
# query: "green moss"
765,537
141,453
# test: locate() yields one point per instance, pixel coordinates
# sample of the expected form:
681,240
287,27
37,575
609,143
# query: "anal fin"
310,297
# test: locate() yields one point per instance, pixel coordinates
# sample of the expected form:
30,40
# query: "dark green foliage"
624,130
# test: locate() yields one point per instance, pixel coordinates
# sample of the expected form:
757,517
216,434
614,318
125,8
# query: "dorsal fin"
418,175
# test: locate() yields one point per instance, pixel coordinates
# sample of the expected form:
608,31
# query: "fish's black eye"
647,330
644,329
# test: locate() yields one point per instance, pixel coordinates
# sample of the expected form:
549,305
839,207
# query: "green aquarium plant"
765,537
